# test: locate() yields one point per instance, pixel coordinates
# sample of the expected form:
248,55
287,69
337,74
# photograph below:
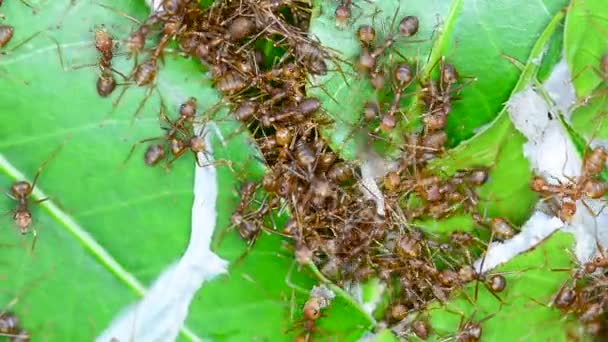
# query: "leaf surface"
107,232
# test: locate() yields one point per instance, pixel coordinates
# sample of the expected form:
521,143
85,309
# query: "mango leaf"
587,20
500,146
532,279
585,43
106,237
462,31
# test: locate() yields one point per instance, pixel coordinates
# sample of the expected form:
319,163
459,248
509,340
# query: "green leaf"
584,39
590,119
385,336
500,147
462,31
106,233
585,43
532,280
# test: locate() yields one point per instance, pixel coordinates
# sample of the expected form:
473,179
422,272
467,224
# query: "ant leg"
142,103
35,238
41,200
241,257
493,294
227,163
7,213
116,102
322,87
120,73
292,285
519,65
21,43
60,55
122,14
175,157
51,157
80,66
27,3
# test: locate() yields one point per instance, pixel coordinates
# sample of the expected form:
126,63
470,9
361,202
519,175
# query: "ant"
6,34
105,45
368,59
248,224
21,191
468,329
587,185
10,327
402,78
177,139
320,298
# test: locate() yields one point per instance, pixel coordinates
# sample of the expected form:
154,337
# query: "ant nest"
352,221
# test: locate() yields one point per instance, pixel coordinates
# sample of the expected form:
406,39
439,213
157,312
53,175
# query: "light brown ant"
306,108
366,34
9,324
320,298
499,227
343,13
587,184
21,336
421,328
6,34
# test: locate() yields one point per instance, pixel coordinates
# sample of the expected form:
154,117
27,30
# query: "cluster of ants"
9,327
585,296
333,224
563,196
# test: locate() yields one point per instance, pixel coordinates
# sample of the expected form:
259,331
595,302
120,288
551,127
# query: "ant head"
21,189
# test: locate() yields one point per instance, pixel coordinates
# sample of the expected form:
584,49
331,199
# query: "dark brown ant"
565,298
177,138
340,173
154,154
105,45
469,330
408,27
402,77
247,191
21,192
248,224
144,74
